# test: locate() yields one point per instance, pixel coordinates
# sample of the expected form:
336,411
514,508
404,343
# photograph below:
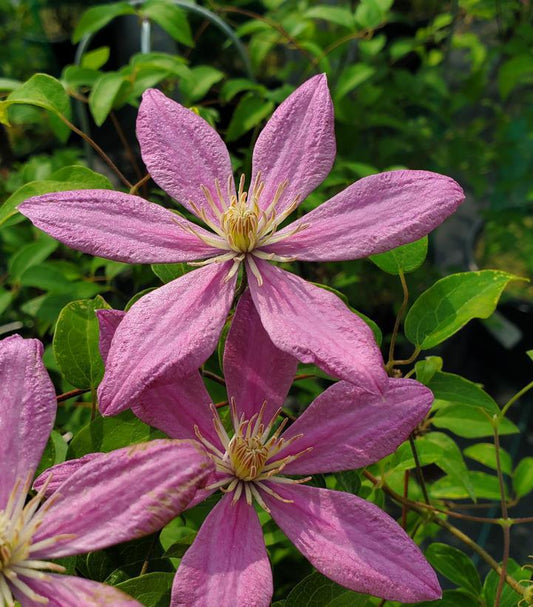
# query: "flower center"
247,456
241,225
18,524
247,460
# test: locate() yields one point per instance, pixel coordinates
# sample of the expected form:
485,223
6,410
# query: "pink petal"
117,226
171,330
174,407
227,565
349,428
123,495
108,322
27,410
181,151
59,473
375,214
255,370
354,543
70,591
177,406
316,327
297,144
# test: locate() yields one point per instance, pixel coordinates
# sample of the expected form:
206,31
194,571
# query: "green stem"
399,317
505,527
419,473
512,400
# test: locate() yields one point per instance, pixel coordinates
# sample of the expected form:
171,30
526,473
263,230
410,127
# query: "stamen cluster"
246,462
18,525
242,227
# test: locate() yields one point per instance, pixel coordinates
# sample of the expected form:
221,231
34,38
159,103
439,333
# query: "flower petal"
117,226
108,322
255,370
354,543
170,330
297,144
375,214
70,591
315,326
174,407
182,151
177,406
27,410
227,565
123,495
59,473
349,428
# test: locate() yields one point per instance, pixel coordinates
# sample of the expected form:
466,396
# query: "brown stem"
419,473
98,149
213,376
126,145
399,317
505,527
135,188
71,394
406,361
422,509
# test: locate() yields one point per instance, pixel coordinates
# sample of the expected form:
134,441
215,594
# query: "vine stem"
419,473
399,317
98,149
513,399
73,393
505,524
126,145
422,509
213,376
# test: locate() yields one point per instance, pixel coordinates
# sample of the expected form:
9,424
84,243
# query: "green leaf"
406,258
8,84
485,453
97,17
454,389
509,598
530,354
76,341
233,87
171,18
250,111
485,486
369,14
152,589
104,94
469,423
317,590
515,72
453,598
426,369
178,548
349,481
333,14
452,462
30,255
106,434
351,77
43,91
452,302
75,76
455,565
170,271
96,58
199,80
523,477
63,180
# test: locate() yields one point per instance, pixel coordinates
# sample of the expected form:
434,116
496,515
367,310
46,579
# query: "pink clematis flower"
174,329
122,495
351,541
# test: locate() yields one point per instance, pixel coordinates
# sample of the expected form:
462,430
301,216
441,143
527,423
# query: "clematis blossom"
173,330
117,497
349,540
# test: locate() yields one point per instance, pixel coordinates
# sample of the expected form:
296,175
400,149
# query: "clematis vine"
346,538
117,497
174,329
